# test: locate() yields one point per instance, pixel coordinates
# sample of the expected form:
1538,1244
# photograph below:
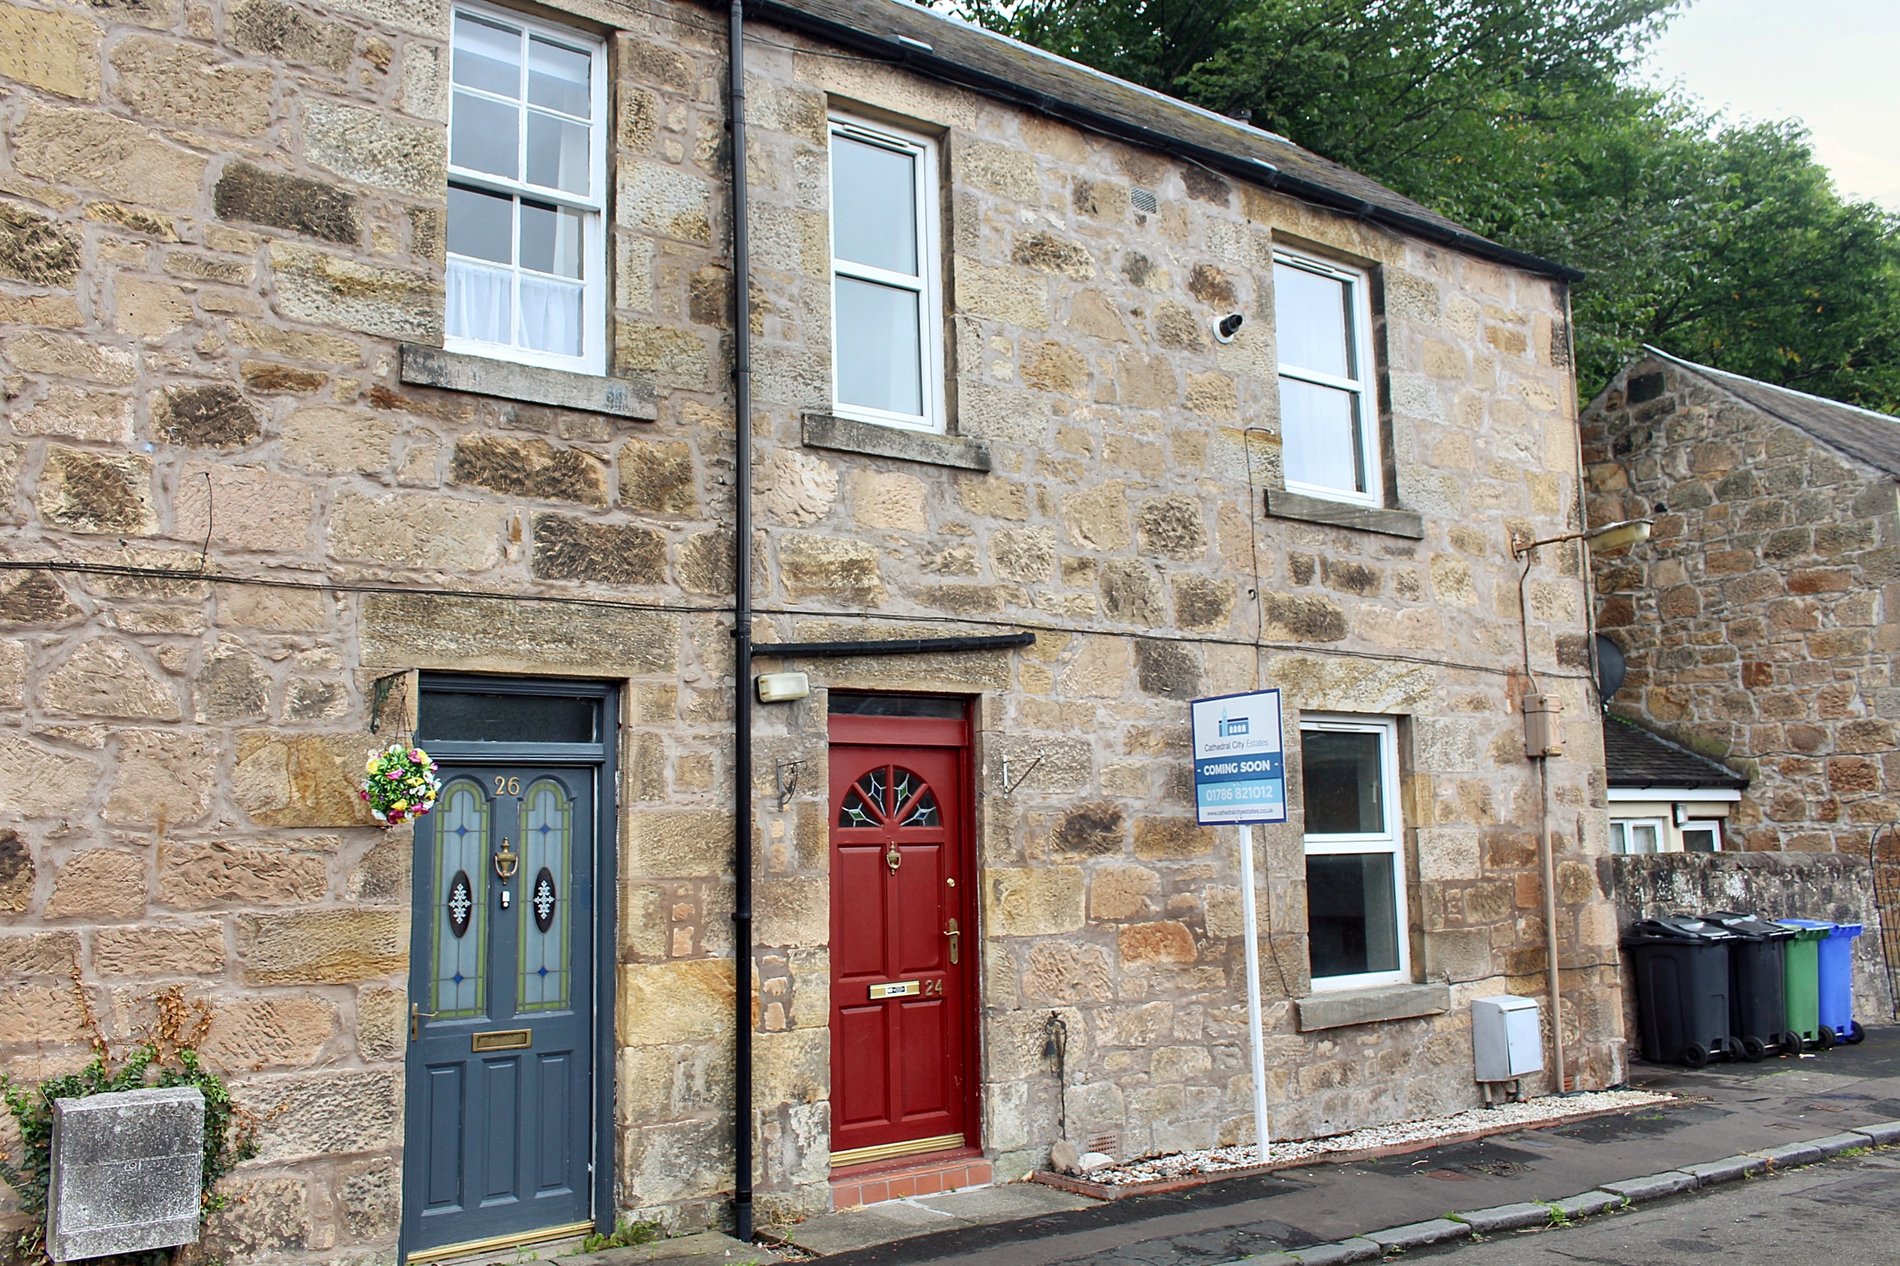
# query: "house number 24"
505,784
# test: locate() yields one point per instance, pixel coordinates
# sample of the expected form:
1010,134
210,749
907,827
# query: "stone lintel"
823,430
484,376
1282,504
125,1172
1369,1006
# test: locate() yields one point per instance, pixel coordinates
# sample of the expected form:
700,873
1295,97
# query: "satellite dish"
1610,668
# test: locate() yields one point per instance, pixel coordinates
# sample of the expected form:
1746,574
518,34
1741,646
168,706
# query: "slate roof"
947,48
1873,438
1636,758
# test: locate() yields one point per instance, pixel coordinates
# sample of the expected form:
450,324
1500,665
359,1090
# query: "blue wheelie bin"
1837,984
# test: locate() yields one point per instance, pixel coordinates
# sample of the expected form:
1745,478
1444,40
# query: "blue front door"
500,1129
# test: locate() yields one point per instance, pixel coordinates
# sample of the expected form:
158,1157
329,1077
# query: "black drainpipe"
741,647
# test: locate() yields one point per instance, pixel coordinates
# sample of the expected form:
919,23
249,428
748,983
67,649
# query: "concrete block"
1357,1249
1268,1259
1728,1169
1884,1133
1418,1234
1652,1186
1587,1204
1505,1217
125,1172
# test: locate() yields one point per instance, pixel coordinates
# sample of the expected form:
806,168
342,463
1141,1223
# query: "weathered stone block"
313,947
373,147
50,49
666,1004
315,208
126,1172
33,247
89,149
214,416
326,289
299,780
97,492
402,630
1035,902
182,83
279,31
530,468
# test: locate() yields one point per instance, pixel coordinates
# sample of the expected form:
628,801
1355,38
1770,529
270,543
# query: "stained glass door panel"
500,1059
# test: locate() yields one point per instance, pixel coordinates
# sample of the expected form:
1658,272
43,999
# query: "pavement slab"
1728,1120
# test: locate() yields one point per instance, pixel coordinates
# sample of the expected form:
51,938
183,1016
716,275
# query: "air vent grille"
1144,201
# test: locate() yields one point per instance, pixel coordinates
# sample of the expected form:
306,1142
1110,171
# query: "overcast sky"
1833,64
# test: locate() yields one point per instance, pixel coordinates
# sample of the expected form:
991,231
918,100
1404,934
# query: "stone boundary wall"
1836,887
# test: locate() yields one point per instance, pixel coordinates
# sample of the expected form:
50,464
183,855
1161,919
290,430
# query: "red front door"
903,940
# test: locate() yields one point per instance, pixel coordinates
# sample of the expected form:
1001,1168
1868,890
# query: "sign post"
1240,779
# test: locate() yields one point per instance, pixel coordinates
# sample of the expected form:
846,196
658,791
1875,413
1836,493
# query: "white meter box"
1506,1041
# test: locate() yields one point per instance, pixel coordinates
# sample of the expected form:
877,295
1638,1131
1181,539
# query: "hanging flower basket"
399,784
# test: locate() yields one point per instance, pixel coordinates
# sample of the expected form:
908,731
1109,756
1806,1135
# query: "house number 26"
511,786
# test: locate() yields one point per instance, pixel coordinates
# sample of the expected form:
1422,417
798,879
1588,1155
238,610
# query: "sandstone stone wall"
219,221
1756,619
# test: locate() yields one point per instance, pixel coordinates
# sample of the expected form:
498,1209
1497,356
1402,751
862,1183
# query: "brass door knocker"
893,858
507,861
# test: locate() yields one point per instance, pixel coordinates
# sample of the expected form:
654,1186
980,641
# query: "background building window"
1702,837
1322,321
1357,930
887,313
527,192
1636,835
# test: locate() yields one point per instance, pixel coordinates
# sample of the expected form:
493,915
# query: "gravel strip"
1457,1125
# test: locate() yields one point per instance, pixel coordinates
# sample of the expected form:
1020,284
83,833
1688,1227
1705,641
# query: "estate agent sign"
1239,759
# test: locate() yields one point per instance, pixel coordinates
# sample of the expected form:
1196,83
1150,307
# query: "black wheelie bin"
1682,989
1757,971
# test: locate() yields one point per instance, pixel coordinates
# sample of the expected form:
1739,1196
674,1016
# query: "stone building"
369,373
1757,624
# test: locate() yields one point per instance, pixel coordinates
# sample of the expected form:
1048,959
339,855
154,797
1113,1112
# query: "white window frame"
1711,825
1362,386
927,285
593,357
1620,836
1388,840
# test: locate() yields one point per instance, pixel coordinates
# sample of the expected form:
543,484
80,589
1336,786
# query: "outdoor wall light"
1609,536
1227,327
783,687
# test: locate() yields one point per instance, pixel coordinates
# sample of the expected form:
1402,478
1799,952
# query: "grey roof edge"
927,61
1721,378
1719,775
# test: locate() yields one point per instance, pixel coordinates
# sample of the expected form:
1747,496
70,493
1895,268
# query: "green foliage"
1723,242
624,1235
230,1136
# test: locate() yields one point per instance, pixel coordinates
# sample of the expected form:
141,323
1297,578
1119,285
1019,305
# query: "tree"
1724,243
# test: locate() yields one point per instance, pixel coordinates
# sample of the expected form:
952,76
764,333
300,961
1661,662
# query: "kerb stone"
1652,1186
1505,1217
1587,1204
125,1172
1356,1249
1728,1169
1418,1234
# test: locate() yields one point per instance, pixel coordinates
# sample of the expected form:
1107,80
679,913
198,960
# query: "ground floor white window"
1357,928
1702,836
1636,835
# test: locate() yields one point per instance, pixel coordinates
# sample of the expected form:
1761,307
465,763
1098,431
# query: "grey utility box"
1505,1038
126,1170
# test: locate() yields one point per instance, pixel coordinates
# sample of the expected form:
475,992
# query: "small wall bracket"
785,777
1009,787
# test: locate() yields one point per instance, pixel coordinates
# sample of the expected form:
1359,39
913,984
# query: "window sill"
823,430
531,384
1293,505
1348,1007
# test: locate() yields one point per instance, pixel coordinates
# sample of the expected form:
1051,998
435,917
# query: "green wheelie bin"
1804,980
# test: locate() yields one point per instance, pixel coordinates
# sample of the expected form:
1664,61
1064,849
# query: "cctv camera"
1228,326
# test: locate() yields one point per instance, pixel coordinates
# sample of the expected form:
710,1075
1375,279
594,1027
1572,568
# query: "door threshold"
471,1250
907,1178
